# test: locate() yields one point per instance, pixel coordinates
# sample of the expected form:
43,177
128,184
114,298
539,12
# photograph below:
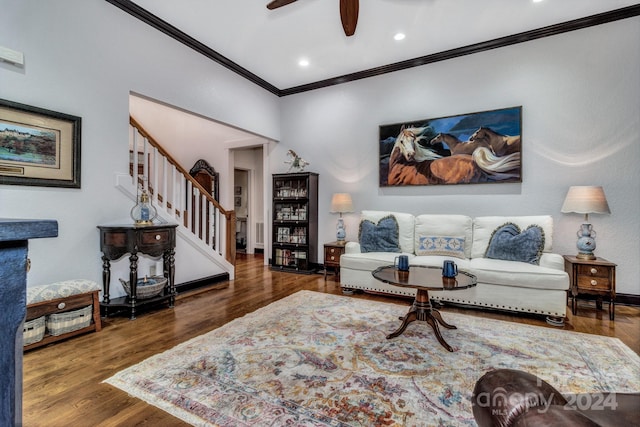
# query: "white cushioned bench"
61,310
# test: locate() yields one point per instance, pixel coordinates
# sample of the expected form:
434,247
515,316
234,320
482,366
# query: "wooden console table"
152,240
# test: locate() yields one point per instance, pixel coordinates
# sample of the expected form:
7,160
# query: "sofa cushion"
509,243
517,274
406,224
459,227
438,260
447,226
64,289
379,237
484,226
369,261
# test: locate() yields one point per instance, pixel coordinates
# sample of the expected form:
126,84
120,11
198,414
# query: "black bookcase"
295,222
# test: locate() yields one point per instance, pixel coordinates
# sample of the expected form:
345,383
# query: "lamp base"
341,233
586,242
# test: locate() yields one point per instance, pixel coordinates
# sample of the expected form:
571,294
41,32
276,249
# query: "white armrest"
352,248
550,260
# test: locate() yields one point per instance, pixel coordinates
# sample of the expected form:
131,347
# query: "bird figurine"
295,162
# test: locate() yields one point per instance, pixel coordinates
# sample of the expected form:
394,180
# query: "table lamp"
341,203
586,200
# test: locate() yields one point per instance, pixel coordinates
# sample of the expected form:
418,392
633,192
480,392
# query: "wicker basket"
148,287
33,330
61,323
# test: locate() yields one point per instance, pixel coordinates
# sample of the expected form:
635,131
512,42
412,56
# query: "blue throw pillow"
508,243
380,237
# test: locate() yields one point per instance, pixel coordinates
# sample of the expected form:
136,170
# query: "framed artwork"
237,190
38,147
473,148
237,202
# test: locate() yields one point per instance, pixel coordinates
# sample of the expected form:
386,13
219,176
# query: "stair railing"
171,187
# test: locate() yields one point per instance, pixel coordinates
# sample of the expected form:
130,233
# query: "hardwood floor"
63,381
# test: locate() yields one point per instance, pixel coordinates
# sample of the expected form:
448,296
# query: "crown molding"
551,30
173,32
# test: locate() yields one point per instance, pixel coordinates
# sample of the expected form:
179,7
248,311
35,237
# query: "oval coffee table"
424,279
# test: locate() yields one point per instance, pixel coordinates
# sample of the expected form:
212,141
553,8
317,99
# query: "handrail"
230,215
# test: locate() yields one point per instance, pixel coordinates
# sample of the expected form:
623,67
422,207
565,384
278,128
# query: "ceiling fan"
348,13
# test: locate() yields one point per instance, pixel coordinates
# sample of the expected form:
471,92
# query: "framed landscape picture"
38,147
473,148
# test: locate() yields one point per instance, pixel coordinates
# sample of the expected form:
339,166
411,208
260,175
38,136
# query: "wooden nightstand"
332,253
594,277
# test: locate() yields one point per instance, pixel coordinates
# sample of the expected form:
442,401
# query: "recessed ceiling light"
399,36
537,1
304,62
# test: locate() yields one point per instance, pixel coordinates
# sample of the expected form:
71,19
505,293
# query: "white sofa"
503,285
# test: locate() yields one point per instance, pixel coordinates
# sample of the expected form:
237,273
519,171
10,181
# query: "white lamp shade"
341,203
585,200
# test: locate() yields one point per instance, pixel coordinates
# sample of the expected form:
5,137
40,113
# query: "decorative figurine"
296,163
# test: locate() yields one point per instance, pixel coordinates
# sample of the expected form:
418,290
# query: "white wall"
84,58
580,94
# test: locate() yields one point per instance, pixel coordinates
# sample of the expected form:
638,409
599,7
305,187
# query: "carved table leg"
169,272
422,310
106,279
410,317
133,283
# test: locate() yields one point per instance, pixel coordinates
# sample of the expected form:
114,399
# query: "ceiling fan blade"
349,16
279,3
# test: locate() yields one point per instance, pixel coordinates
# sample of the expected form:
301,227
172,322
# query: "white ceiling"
269,43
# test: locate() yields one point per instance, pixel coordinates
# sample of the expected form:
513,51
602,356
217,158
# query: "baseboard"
628,299
205,282
621,299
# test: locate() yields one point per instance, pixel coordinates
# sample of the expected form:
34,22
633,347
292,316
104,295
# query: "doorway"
241,202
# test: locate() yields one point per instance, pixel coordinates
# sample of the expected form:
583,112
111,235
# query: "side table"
332,253
152,240
594,277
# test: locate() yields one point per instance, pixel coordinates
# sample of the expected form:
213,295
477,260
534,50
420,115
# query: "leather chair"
508,397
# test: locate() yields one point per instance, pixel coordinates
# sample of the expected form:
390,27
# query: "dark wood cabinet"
152,240
591,277
332,253
295,222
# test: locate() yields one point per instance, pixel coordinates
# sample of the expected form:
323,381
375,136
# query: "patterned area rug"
315,359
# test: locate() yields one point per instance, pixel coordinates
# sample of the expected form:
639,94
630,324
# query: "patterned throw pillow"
380,237
441,245
509,243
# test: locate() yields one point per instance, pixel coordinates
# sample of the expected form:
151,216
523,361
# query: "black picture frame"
39,147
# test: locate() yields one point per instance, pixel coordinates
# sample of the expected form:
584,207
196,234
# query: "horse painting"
412,164
462,149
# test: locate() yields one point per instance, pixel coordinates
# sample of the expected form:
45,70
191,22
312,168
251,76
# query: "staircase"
179,198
